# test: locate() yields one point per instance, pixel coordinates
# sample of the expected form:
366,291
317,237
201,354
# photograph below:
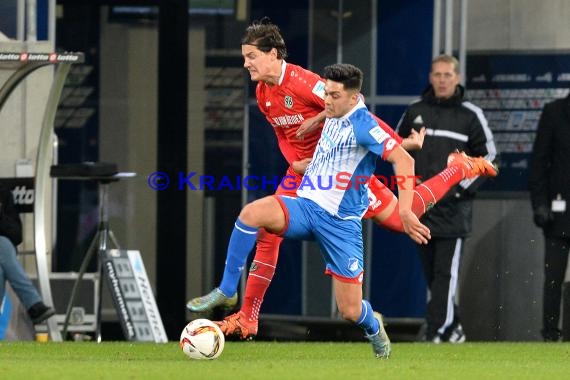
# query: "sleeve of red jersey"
387,129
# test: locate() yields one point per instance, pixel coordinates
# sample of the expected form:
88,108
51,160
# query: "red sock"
429,192
426,195
261,273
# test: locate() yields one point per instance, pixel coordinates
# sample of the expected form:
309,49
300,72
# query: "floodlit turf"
278,360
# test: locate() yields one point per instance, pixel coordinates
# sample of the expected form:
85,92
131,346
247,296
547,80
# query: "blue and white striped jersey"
345,157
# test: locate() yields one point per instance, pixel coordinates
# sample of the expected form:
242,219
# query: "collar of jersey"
283,68
358,106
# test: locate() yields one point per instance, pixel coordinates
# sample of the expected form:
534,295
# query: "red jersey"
298,96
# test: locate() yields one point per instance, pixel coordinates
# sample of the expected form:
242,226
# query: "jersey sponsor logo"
379,134
287,120
325,143
288,101
390,145
319,89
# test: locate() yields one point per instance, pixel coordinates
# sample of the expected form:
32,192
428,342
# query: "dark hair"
265,36
349,75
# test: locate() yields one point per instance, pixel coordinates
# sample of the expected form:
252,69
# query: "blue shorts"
340,240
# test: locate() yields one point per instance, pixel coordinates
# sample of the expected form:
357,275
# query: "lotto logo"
23,196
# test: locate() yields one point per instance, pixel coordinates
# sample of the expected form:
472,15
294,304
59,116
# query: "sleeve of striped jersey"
368,133
387,128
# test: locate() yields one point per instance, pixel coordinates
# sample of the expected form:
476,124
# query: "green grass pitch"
280,360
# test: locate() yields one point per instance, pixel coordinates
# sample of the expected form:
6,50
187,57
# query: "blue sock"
241,243
367,322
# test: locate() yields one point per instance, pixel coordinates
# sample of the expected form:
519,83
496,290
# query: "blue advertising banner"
512,88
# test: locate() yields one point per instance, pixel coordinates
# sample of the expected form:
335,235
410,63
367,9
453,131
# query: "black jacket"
451,124
550,164
10,223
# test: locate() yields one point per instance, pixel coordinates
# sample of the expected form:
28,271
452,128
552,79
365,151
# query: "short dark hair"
349,75
265,36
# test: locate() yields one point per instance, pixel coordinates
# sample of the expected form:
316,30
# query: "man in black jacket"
451,123
10,268
549,185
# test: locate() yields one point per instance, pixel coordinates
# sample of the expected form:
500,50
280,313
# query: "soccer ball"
202,339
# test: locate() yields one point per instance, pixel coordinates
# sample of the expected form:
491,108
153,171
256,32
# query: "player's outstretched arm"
300,166
310,125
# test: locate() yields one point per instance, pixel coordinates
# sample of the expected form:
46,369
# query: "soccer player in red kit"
291,98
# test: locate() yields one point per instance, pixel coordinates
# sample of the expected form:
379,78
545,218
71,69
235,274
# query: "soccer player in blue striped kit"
351,142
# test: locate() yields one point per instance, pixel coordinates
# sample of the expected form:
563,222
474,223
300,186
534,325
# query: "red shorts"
289,183
379,197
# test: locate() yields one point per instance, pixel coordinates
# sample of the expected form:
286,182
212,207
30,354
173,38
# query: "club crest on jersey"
352,265
288,101
379,134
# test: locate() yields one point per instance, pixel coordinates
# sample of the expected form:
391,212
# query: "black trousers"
441,258
555,261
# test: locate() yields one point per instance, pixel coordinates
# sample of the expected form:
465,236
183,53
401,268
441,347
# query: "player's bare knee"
349,312
250,214
260,213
